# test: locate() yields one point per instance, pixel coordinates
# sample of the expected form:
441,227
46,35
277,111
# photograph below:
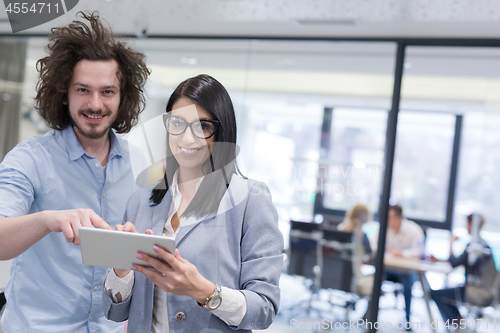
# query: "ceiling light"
327,22
189,61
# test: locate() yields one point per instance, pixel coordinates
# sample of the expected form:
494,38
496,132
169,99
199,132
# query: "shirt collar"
116,147
75,150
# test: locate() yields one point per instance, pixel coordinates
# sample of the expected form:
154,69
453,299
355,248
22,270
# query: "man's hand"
69,221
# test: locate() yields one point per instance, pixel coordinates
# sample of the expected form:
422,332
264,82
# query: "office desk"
4,274
420,267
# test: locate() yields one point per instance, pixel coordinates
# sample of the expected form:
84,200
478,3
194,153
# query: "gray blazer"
240,247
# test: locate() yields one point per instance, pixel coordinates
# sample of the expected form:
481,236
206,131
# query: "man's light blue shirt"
50,290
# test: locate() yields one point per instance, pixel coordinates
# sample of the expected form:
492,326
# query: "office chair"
302,261
324,258
335,260
480,295
482,285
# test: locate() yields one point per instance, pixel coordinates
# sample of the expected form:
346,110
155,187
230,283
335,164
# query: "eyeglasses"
202,129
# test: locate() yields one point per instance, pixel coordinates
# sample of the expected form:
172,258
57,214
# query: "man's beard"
92,133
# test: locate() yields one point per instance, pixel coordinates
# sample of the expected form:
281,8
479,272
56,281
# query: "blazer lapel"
160,213
188,225
227,203
159,218
235,194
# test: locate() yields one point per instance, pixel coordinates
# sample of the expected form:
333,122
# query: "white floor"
334,317
294,292
391,312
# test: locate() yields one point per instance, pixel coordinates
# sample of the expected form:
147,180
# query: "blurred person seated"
405,239
353,222
480,272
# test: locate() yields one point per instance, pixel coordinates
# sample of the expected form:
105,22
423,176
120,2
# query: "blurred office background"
313,83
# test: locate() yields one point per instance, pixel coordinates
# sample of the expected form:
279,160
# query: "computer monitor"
304,226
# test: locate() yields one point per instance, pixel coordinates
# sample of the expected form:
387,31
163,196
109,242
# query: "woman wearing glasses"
224,274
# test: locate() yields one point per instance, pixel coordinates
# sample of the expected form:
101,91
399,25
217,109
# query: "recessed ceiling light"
189,61
327,22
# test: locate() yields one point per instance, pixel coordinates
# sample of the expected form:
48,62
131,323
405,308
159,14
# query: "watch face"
214,302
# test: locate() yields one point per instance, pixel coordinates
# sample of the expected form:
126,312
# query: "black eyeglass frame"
167,116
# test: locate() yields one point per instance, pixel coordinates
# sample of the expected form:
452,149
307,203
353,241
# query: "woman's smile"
189,151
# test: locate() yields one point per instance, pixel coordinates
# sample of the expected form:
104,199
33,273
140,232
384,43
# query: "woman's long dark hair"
211,95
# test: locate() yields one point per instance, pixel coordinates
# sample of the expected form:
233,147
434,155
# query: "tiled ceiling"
292,18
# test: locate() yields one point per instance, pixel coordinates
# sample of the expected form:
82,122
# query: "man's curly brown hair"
77,41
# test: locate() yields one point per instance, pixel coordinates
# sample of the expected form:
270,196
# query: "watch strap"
217,293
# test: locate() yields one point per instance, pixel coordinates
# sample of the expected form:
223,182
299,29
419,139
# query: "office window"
479,179
31,123
280,146
354,168
463,81
422,162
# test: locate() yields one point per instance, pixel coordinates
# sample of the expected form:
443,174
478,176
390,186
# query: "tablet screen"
118,249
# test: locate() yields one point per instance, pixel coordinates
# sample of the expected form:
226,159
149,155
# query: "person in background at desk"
224,273
80,174
354,220
404,238
480,273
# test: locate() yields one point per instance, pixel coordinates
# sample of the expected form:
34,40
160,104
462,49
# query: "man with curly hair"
77,175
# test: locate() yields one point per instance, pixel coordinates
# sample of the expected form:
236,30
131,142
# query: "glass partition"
462,81
290,85
422,162
354,168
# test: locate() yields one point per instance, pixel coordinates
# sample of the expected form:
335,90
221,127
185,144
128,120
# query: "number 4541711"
24,8
473,324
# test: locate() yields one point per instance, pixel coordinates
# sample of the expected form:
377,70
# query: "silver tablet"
118,249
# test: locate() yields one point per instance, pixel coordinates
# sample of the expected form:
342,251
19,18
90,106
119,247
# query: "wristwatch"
214,301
